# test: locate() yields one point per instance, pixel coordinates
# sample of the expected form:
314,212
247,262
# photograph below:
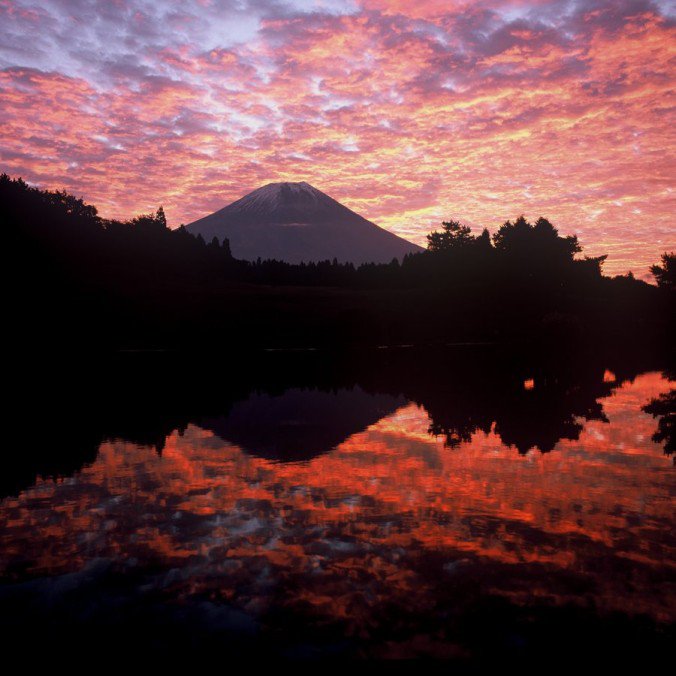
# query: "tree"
150,223
548,235
160,217
453,235
73,206
665,274
512,236
483,241
539,242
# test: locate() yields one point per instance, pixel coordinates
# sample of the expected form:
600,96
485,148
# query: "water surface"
503,519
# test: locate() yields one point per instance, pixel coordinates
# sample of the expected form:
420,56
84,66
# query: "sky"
409,112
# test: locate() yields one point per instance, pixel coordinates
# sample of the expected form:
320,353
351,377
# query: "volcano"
295,222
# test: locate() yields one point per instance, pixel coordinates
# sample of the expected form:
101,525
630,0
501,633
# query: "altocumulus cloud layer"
408,112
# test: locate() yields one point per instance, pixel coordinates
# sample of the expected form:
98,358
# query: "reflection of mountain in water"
292,407
300,424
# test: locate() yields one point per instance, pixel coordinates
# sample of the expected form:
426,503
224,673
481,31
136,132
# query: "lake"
470,508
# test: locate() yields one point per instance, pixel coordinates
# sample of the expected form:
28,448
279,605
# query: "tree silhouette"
665,274
453,235
82,273
539,242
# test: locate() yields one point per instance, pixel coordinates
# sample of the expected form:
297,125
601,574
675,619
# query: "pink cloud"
408,115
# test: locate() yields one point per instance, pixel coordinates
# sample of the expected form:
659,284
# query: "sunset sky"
408,112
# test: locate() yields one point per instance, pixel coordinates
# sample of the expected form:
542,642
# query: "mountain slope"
295,222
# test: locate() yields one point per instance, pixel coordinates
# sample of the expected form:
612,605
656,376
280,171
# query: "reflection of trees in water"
664,408
61,415
537,416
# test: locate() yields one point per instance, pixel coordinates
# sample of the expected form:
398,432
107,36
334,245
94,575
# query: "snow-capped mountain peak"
280,195
296,222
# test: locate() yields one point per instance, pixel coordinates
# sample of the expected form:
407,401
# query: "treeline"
139,284
55,231
57,226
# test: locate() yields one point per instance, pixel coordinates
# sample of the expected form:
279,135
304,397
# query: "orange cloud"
408,114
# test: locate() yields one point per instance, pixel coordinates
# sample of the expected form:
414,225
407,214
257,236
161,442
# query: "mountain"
295,222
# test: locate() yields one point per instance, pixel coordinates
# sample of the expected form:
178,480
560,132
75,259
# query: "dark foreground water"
502,516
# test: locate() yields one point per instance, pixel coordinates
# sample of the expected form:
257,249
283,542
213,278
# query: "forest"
85,283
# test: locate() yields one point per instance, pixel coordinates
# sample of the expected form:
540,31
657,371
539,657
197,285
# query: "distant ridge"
295,222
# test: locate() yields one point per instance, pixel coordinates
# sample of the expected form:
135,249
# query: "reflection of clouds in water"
387,513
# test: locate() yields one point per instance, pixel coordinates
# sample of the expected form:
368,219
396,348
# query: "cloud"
407,112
